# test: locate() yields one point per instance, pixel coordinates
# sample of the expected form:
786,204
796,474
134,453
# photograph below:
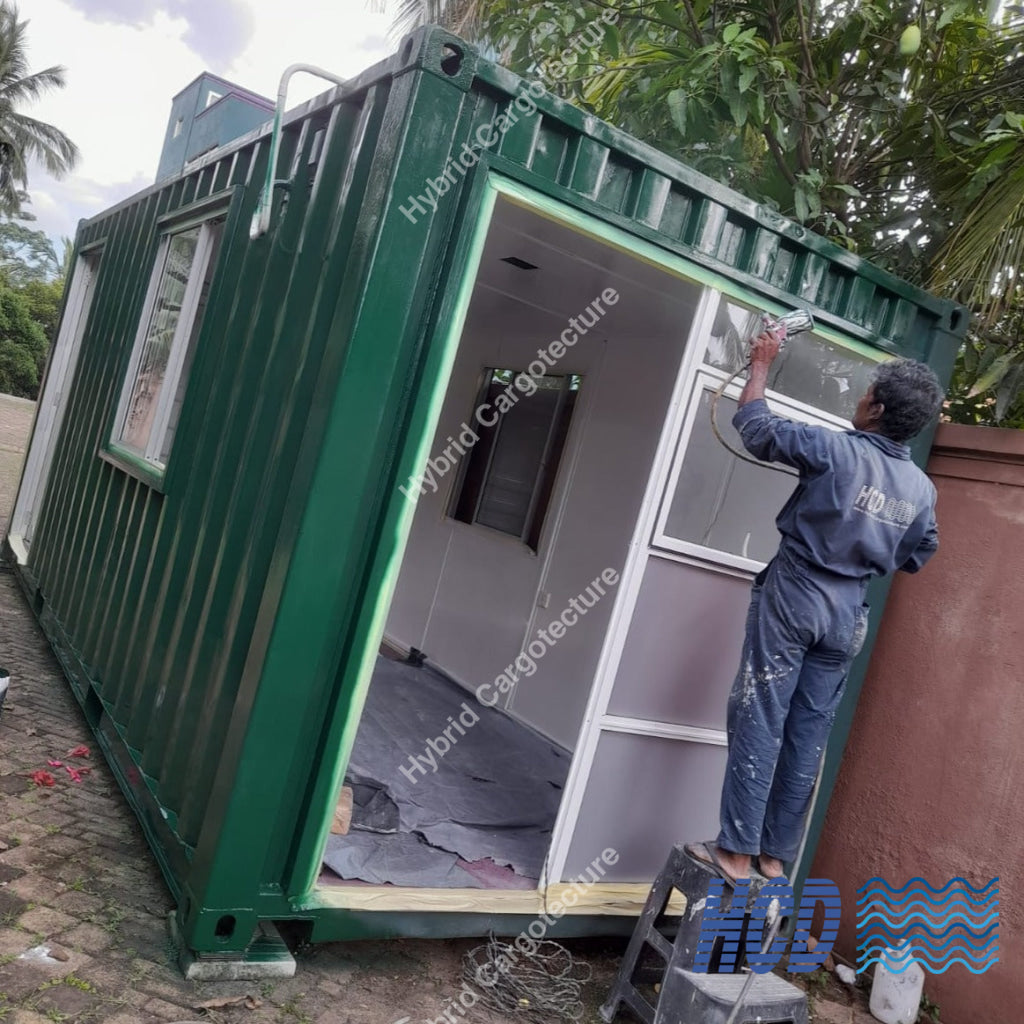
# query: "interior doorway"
526,509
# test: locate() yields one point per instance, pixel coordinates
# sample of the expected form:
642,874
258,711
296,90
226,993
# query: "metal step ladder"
686,996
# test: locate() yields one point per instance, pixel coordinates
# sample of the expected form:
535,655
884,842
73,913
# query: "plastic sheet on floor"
419,806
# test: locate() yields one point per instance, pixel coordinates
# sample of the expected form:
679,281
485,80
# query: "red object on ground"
42,778
75,773
55,764
82,751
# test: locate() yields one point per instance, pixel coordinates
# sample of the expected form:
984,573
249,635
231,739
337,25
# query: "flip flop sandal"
707,854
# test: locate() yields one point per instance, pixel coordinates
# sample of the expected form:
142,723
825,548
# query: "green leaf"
970,358
677,109
1009,391
668,12
793,93
728,73
800,203
738,109
612,40
963,138
951,12
747,75
993,375
988,356
759,106
731,32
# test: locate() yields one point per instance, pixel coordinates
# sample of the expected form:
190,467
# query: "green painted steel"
218,623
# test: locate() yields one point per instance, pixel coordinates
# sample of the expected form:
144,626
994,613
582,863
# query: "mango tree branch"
779,157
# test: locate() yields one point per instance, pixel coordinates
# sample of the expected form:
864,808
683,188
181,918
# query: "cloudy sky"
125,59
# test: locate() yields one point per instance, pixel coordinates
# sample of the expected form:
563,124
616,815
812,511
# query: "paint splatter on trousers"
804,628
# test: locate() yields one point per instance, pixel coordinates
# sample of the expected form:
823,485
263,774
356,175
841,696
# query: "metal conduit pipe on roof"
261,217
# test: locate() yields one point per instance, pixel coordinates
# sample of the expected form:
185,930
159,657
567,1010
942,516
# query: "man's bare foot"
735,865
770,867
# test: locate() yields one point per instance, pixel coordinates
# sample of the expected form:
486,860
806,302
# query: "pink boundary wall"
932,782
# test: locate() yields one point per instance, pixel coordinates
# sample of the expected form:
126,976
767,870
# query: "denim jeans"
804,628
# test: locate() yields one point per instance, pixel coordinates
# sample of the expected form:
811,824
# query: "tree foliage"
26,255
30,298
23,346
895,129
24,138
43,299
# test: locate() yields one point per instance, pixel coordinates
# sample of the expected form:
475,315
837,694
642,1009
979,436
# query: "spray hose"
795,322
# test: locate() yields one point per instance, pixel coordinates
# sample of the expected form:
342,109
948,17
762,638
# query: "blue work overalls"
861,509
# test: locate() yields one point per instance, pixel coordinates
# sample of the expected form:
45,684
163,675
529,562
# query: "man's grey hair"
911,394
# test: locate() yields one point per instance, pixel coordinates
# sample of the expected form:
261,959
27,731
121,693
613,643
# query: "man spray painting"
861,509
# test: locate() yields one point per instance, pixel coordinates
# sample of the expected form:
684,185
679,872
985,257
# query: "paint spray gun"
796,321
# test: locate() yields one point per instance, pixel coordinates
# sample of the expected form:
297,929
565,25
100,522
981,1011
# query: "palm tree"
23,138
458,16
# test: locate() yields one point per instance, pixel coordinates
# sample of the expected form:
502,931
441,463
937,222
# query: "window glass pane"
810,369
720,501
163,322
216,230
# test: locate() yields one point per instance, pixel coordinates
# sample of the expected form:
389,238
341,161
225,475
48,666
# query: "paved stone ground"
77,877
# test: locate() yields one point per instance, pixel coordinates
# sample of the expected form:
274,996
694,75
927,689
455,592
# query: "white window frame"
707,378
179,343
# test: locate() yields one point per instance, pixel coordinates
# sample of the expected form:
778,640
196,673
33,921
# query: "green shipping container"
451,405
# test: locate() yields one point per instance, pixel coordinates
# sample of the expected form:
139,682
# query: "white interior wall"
468,596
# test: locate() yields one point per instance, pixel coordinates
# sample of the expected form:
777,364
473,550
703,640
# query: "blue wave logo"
936,928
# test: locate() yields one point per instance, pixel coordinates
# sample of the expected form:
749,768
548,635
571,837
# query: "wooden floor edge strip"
613,899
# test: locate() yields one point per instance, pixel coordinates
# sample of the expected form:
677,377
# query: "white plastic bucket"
896,998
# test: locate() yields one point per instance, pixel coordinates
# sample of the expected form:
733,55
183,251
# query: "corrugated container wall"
215,622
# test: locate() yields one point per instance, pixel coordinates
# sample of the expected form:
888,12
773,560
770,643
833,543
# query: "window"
178,125
711,503
717,507
164,347
811,370
212,97
509,474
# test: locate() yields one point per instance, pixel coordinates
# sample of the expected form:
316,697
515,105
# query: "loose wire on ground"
538,987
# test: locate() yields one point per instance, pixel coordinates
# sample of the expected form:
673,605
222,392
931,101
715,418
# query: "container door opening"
525,513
